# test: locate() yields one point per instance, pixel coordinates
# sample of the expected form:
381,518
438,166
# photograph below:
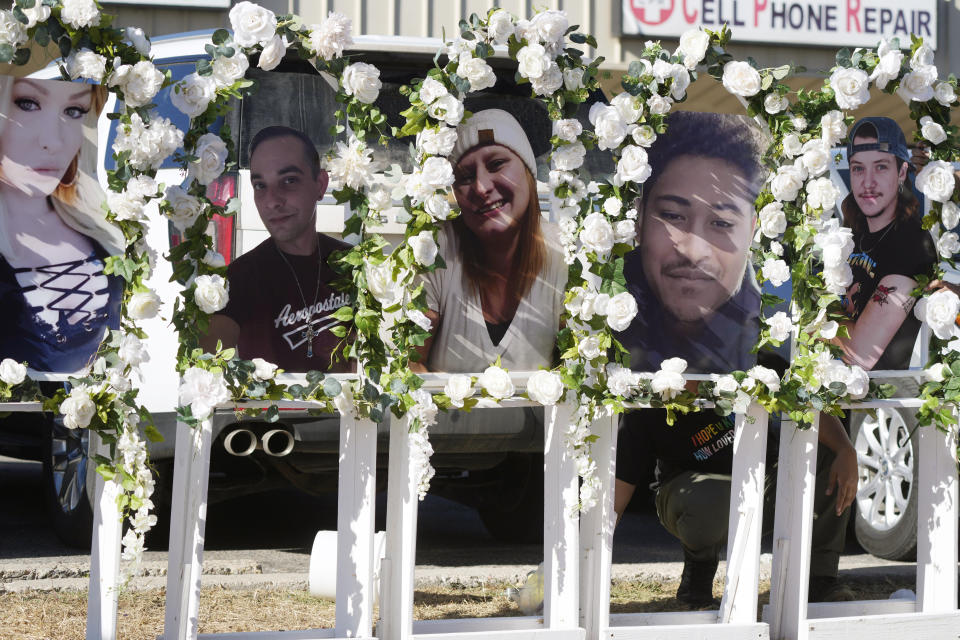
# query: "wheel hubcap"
886,459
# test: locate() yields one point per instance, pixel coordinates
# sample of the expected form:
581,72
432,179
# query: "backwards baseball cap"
889,136
493,126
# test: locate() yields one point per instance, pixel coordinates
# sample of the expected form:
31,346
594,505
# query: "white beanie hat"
493,126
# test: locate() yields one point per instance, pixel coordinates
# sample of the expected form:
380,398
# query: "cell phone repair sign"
833,23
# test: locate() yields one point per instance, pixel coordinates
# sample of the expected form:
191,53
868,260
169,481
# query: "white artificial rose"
380,199
668,381
330,37
945,93
658,105
791,145
633,166
939,310
815,157
78,408
612,206
448,109
478,73
460,49
776,271
931,130
936,180
773,221
39,12
858,382
351,164
887,69
568,157
766,376
143,305
545,387
832,128
828,330
568,129
381,283
787,182
148,144
949,215
725,383
214,259
917,85
138,39
437,173
12,31
624,231
125,205
948,244
80,14
362,81
437,206
550,26
774,103
432,90
630,107
132,351
12,372
780,326
272,54
644,135
227,70
937,372
776,248
549,81
496,382
681,82
597,234
500,26
424,248
739,78
621,311
211,152
185,209
252,24
608,125
533,61
922,57
601,303
851,87
693,46
621,381
822,194
139,82
193,94
573,79
799,123
210,293
202,391
589,348
86,64
458,387
437,141
425,409
837,279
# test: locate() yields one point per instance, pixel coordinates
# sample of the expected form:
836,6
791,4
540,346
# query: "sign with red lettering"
854,23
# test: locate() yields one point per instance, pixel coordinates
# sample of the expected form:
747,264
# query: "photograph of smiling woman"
54,234
691,273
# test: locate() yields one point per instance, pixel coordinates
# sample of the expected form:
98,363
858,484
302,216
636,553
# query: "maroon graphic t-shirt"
268,306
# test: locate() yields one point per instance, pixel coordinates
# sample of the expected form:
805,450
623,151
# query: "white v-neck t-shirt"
461,342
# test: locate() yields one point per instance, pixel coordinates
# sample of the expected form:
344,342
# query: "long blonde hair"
78,204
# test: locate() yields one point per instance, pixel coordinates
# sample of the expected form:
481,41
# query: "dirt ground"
62,615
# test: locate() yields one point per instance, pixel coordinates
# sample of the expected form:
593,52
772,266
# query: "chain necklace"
308,334
876,244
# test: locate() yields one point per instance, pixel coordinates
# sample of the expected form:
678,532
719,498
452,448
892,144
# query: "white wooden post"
937,521
396,575
596,533
560,533
188,517
793,531
356,491
104,552
747,481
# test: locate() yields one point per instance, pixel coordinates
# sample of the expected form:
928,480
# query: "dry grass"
62,615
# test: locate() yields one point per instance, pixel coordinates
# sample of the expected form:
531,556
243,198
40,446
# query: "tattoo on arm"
882,294
908,304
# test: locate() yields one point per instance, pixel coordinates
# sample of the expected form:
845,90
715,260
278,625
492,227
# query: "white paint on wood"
937,521
309,634
560,521
888,627
754,631
104,553
432,628
519,634
663,618
188,515
396,608
355,521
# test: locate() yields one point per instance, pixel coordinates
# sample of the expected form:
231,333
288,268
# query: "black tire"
515,513
885,520
67,478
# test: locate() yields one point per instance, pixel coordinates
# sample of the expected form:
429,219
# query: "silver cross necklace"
308,334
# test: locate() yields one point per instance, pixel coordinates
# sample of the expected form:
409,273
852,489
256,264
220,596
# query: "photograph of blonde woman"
54,235
890,248
501,293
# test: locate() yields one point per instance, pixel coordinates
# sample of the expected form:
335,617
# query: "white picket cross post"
937,521
396,577
104,552
356,492
560,523
188,518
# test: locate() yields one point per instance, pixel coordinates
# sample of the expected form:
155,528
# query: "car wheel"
886,514
514,514
66,470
